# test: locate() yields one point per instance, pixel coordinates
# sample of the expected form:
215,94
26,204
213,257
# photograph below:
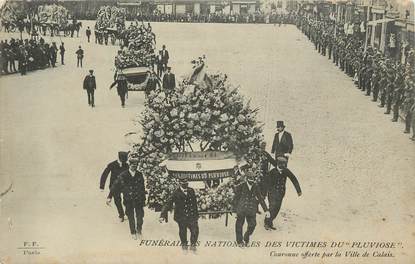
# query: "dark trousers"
62,58
159,70
118,204
389,103
134,210
382,98
88,36
79,62
274,201
122,97
396,111
240,220
193,226
375,92
91,97
408,119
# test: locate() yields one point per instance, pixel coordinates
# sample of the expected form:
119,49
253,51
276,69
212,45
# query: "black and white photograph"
207,131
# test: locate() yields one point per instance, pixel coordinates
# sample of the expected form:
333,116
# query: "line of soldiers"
385,79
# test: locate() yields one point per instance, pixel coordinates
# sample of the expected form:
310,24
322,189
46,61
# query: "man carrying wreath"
185,213
245,204
131,184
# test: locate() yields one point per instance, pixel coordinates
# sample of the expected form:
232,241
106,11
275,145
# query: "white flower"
173,112
159,133
223,117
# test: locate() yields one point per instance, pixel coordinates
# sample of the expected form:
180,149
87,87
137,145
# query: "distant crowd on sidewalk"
256,17
30,55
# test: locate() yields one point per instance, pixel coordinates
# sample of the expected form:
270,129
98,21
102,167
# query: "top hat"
91,71
280,124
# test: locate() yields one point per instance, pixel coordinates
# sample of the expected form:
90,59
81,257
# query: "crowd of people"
30,54
387,80
257,17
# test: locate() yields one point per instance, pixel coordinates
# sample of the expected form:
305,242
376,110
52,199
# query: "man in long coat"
283,142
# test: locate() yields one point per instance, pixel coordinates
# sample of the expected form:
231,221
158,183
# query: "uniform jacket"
185,208
80,53
285,146
276,181
132,188
89,83
122,87
246,201
114,169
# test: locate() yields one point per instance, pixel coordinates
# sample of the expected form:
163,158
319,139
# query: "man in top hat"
122,86
245,204
185,213
169,81
115,168
131,184
164,57
90,86
275,182
282,145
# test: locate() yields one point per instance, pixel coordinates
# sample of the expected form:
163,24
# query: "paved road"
354,165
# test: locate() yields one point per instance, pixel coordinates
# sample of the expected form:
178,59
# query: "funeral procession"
207,131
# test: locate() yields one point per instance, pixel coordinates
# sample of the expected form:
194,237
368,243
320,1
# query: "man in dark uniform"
245,204
88,34
185,213
169,81
90,86
390,87
398,93
283,142
122,87
275,182
131,184
62,52
79,56
115,168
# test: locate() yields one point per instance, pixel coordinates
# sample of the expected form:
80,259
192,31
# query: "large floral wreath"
203,113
